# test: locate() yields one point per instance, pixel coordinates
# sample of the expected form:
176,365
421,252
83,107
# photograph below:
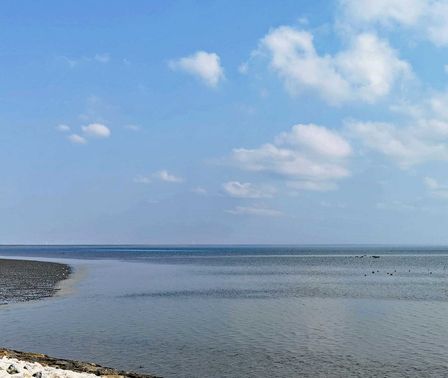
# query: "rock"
69,365
12,370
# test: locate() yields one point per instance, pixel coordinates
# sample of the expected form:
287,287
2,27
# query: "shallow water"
227,312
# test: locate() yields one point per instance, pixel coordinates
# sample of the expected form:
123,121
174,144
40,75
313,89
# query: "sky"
224,122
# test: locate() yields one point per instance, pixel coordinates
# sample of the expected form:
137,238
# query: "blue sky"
224,121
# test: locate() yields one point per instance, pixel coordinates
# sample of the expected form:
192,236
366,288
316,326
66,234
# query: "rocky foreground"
28,365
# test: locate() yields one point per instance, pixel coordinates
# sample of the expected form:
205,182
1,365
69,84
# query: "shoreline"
23,280
27,280
36,365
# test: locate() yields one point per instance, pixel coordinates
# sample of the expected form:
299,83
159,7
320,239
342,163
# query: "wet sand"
24,280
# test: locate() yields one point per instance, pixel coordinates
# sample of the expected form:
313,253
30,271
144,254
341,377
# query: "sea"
242,311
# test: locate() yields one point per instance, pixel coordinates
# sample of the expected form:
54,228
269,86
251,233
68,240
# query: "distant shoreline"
30,280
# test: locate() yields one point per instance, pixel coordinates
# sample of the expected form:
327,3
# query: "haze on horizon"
296,122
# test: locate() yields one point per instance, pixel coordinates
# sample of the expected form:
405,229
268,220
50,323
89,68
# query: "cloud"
400,206
206,66
102,58
132,127
247,190
63,128
96,130
317,140
407,146
366,71
429,18
308,153
420,138
164,175
436,189
255,211
406,12
199,190
77,139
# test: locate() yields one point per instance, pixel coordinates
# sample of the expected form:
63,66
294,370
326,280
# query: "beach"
25,280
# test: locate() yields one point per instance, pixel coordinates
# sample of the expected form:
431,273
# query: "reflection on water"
263,313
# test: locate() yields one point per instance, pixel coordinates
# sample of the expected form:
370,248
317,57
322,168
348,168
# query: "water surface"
244,311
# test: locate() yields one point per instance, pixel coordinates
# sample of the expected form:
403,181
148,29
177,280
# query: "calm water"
230,312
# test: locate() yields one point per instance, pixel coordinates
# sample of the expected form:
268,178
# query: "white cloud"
307,153
247,190
296,61
421,137
406,12
63,128
371,67
436,189
96,130
406,145
317,140
199,190
366,71
206,66
164,175
429,18
255,211
77,139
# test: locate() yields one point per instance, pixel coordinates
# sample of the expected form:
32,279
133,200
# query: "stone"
12,370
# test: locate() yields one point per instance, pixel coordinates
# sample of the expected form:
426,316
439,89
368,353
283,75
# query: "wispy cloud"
247,190
63,128
162,175
435,188
133,127
199,190
102,58
255,211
